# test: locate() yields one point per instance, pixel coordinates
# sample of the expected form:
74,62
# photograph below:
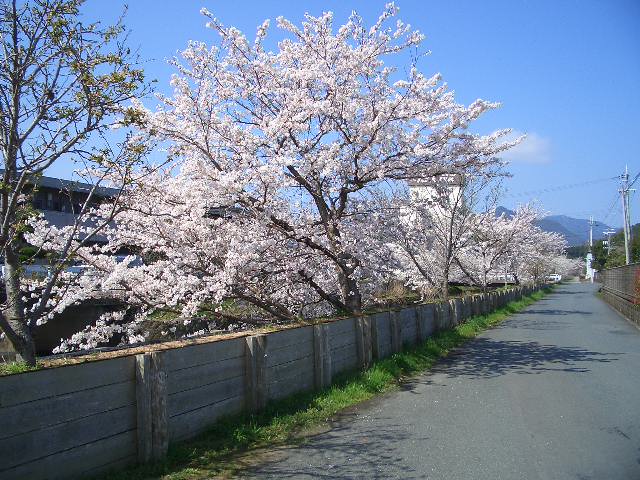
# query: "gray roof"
70,185
443,180
73,186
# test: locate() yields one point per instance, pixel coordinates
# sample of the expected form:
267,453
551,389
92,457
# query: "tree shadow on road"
552,321
568,292
554,312
344,452
486,358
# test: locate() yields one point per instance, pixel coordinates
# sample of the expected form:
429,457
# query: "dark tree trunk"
350,294
445,287
13,320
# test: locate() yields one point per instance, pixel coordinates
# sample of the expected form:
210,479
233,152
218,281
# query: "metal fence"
623,282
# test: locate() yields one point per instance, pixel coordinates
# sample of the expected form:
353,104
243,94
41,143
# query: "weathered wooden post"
322,356
143,406
473,300
380,334
443,315
151,407
428,321
256,372
468,312
160,422
456,311
396,332
363,341
420,324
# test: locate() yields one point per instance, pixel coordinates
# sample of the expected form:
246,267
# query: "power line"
613,205
562,187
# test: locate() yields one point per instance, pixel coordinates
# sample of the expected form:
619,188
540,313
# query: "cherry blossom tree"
437,227
494,239
565,266
293,142
277,160
532,257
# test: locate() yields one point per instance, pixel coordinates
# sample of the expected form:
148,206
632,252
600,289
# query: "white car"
554,278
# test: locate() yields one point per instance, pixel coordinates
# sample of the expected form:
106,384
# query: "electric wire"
561,187
610,209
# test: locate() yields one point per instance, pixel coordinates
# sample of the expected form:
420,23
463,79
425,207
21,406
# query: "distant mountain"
575,230
507,213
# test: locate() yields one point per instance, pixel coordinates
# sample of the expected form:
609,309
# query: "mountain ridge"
574,230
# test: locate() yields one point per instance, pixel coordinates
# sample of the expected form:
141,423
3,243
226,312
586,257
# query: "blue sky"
567,74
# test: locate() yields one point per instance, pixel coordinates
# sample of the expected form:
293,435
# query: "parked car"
505,278
553,278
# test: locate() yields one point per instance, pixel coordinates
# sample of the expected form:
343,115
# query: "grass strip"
11,368
215,452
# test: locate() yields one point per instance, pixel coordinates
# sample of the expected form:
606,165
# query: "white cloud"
533,149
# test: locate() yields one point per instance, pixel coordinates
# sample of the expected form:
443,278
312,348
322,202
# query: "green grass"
16,367
219,451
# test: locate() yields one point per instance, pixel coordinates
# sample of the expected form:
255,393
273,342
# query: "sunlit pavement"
552,393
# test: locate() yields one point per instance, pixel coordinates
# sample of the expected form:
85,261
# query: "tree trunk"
350,294
445,287
13,322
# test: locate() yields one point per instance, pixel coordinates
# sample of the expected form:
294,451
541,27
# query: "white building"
441,191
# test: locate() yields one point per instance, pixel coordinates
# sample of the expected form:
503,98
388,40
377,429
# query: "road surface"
552,393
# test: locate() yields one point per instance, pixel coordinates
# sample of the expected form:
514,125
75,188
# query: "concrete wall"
75,420
626,308
79,420
203,382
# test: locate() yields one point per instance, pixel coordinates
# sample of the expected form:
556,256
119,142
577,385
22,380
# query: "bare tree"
62,83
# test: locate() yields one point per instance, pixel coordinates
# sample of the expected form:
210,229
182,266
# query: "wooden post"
360,340
255,372
466,302
443,315
427,320
143,407
456,311
322,356
363,341
375,338
420,324
160,422
377,349
396,332
476,305
151,407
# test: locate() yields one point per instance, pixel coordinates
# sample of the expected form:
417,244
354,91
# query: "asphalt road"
552,393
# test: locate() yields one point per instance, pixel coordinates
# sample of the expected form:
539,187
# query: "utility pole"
589,259
608,233
624,191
